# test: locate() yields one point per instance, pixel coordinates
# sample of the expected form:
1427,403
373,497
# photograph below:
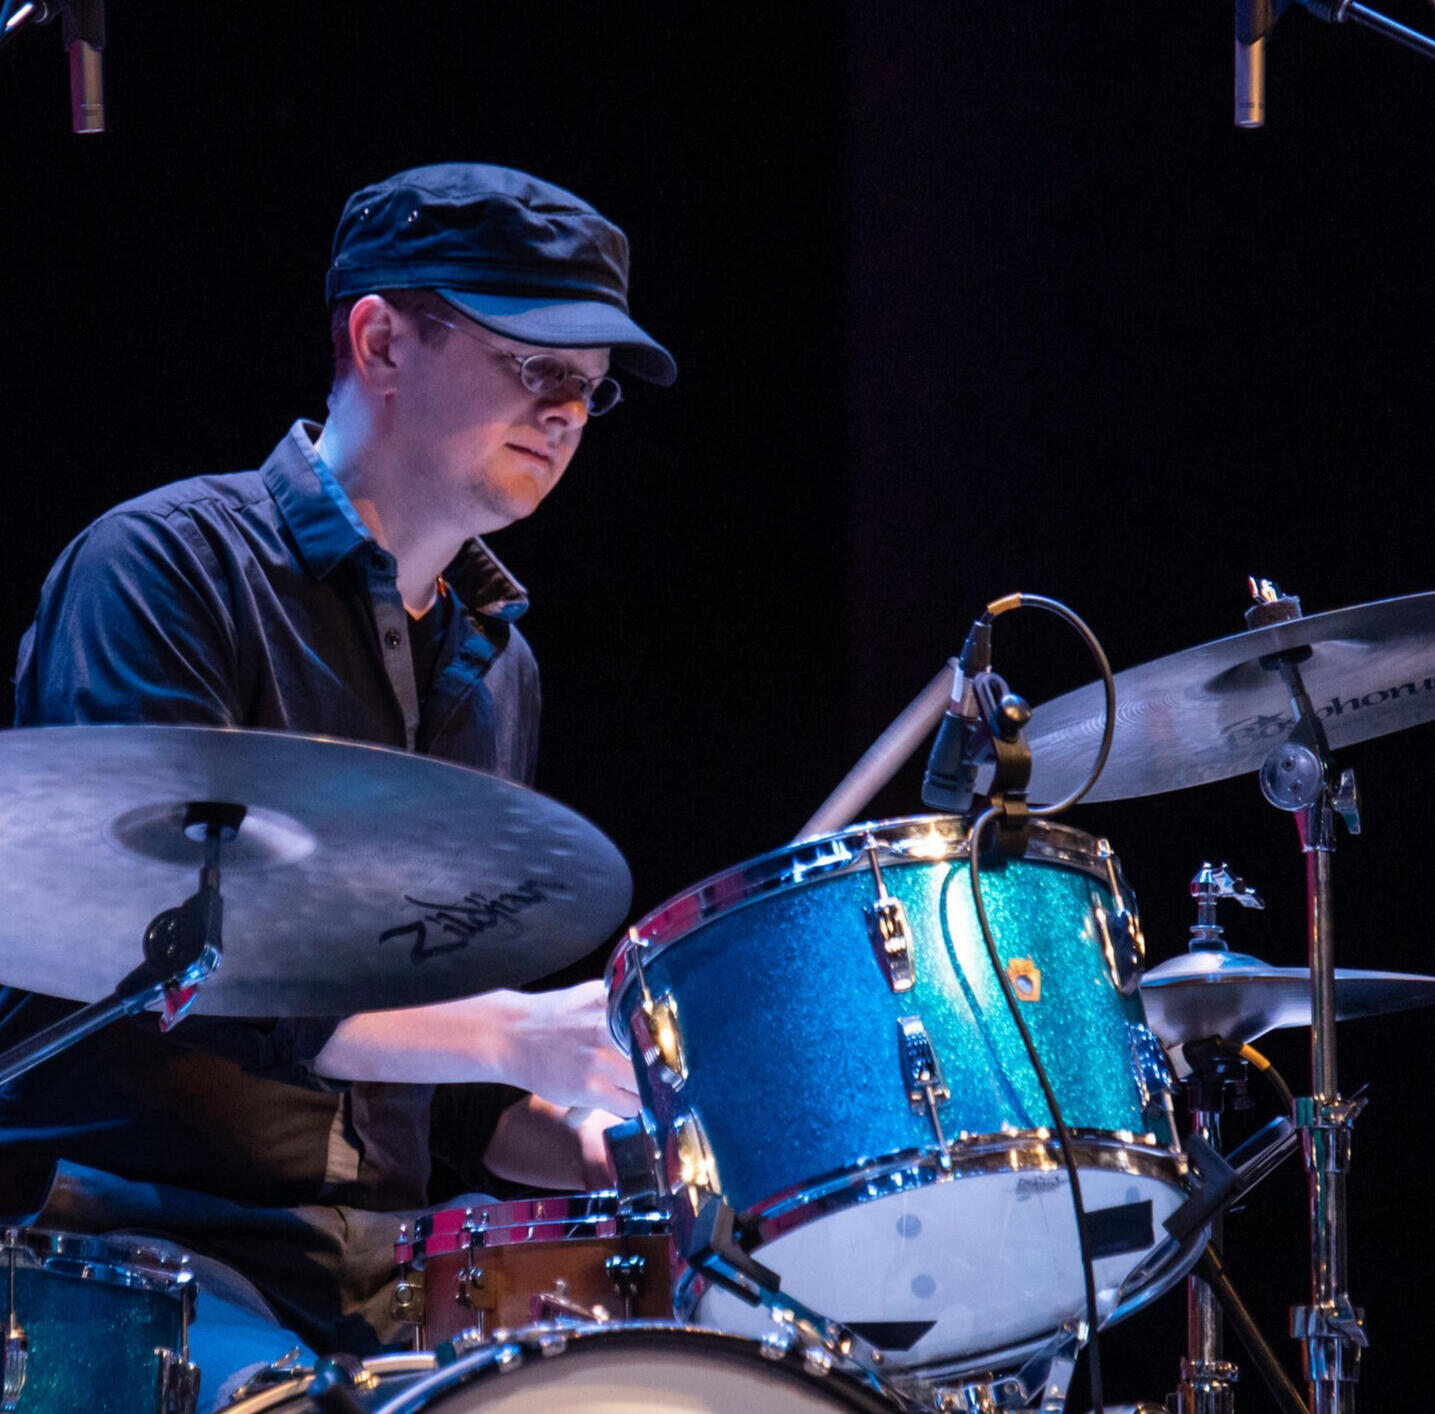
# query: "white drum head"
980,1265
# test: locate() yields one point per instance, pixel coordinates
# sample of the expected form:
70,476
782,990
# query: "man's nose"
566,408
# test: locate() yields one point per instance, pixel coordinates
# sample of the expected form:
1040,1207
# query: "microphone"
950,781
1254,21
83,31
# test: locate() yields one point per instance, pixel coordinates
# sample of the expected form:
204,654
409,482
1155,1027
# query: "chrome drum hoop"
913,838
970,1158
87,1258
571,1217
465,1362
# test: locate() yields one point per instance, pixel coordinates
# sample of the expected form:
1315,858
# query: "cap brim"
569,324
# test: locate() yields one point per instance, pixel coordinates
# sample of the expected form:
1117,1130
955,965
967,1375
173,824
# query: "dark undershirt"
426,636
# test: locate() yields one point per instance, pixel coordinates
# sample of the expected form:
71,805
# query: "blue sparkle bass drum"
820,1040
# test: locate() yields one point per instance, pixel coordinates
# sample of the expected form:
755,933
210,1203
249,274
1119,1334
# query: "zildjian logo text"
457,924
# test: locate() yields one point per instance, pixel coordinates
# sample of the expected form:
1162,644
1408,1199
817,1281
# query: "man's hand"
555,1044
560,1048
540,1144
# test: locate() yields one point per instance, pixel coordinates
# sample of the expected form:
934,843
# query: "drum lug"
691,1164
1151,1071
17,1360
476,1288
660,1039
178,1383
1122,941
888,929
628,1271
922,1075
891,940
921,1070
656,1032
17,1343
407,1303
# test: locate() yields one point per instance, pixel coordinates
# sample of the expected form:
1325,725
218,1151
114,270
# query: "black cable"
989,817
1108,684
1063,1136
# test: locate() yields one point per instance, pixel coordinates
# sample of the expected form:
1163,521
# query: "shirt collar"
327,529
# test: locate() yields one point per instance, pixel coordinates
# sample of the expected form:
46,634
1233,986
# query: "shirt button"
393,638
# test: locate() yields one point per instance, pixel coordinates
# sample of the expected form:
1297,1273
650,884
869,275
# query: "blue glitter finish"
791,1029
92,1343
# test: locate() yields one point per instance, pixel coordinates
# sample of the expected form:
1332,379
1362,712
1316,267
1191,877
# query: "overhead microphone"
82,24
1254,21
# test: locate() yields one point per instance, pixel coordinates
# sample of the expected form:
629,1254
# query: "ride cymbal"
361,877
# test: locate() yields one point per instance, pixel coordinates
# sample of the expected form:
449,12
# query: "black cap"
522,257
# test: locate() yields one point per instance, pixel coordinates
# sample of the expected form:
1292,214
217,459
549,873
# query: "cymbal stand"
182,946
1217,1080
1299,776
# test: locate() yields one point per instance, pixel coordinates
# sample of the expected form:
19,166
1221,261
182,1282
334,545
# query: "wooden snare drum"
505,1265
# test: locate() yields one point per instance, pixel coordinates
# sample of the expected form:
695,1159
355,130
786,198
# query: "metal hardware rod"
1207,1379
1318,838
1383,24
125,1000
177,958
1330,1326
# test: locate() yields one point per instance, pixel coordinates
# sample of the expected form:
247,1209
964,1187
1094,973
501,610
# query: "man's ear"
373,329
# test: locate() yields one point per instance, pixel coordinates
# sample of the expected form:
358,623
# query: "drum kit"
909,1134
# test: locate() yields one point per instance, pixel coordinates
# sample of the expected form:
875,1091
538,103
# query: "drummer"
479,320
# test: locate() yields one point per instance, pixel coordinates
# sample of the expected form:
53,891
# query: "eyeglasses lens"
546,373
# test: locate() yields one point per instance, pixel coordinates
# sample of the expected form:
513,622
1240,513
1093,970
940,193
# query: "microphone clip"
1000,738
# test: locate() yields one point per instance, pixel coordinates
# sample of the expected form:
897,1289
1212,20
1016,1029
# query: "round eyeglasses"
545,373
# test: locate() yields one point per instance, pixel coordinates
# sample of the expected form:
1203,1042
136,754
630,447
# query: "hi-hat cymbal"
1231,994
361,877
1213,711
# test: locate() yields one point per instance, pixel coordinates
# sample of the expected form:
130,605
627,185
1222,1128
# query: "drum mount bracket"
182,946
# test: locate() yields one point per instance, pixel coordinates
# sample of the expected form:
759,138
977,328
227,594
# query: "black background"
967,298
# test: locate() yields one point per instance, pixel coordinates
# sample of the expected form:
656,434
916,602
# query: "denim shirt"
256,599
260,600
